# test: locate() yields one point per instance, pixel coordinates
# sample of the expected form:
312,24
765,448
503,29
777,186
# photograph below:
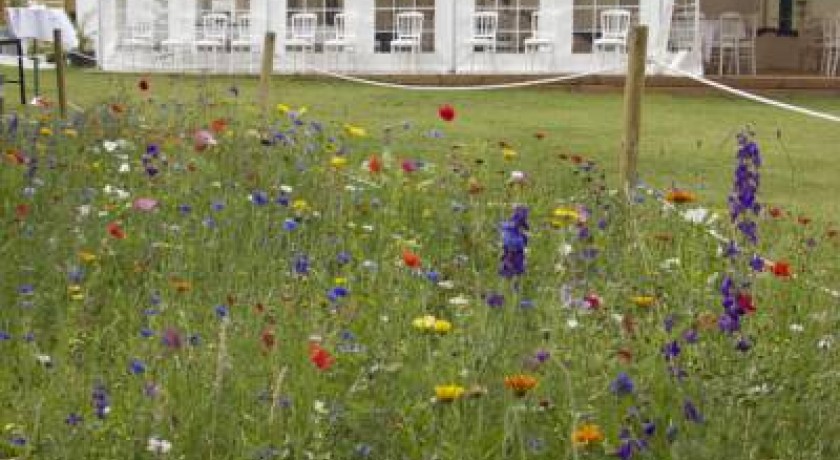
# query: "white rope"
753,97
721,239
519,84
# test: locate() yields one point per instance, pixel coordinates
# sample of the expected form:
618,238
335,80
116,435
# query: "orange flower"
180,285
781,269
521,383
587,434
680,196
410,259
218,125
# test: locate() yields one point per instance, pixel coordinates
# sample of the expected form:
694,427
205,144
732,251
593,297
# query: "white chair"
736,42
408,33
213,36
301,36
244,42
341,42
140,38
540,41
831,47
483,39
615,26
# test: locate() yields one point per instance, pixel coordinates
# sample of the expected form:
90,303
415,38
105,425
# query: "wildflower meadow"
210,280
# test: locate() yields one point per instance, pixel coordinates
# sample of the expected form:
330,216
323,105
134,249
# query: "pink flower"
145,204
203,139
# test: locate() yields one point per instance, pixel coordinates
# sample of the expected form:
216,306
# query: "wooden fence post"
634,87
266,69
59,72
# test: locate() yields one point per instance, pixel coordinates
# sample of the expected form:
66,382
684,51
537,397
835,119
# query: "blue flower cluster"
514,241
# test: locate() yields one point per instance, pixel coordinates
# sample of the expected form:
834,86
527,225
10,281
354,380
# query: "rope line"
521,84
750,96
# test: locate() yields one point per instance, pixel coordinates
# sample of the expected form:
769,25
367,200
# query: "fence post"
266,69
634,86
59,72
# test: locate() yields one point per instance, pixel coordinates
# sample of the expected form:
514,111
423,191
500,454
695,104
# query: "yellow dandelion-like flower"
300,205
509,153
563,217
448,393
442,326
283,108
587,435
338,162
75,292
45,132
87,257
644,301
424,323
354,131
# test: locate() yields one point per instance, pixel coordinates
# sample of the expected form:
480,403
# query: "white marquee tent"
529,36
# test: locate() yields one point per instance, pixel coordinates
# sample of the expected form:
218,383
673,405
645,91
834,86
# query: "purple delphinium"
514,241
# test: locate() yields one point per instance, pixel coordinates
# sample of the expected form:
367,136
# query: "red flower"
320,357
745,302
268,340
218,125
804,220
408,166
411,259
775,212
781,269
593,300
374,164
143,84
446,112
21,211
115,230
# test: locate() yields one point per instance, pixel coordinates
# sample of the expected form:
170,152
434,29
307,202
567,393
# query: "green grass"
217,388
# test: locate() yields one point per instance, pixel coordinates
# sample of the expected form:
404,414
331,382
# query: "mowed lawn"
687,139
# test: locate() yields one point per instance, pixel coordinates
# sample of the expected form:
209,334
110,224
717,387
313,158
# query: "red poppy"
745,302
268,340
446,112
374,164
408,166
116,230
781,269
21,211
411,259
592,300
320,357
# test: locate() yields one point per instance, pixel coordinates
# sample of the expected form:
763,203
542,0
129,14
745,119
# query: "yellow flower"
354,131
283,108
509,153
424,323
340,281
562,217
87,257
448,393
300,205
338,161
70,132
442,326
644,301
75,292
587,434
46,131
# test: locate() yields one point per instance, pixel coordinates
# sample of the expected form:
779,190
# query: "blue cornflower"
757,263
5,336
729,323
690,336
433,276
147,332
259,198
136,367
153,150
691,412
101,401
184,209
648,428
222,311
73,419
744,344
217,206
343,258
26,289
494,299
301,264
337,293
290,225
526,304
671,350
622,385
